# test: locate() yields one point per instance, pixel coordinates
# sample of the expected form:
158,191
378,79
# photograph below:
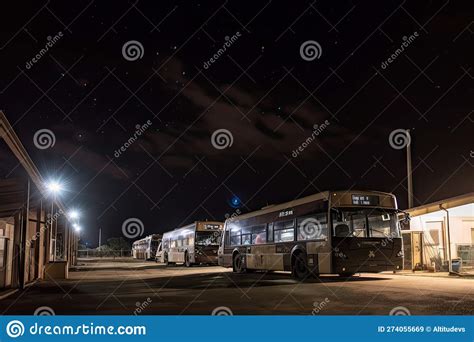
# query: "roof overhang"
8,134
446,204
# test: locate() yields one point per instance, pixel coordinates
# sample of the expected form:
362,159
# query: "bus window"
353,223
246,235
259,235
383,225
359,225
235,234
312,227
207,238
270,232
235,240
284,231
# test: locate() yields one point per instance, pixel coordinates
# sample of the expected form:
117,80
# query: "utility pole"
100,237
409,172
450,262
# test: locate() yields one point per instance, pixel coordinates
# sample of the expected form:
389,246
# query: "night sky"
263,90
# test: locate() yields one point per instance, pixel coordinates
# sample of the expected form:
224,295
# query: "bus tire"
299,269
238,264
187,261
165,259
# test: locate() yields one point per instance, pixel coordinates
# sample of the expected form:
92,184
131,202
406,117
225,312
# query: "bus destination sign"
365,200
211,226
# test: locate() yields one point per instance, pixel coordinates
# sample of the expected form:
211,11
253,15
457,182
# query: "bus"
196,243
145,248
332,232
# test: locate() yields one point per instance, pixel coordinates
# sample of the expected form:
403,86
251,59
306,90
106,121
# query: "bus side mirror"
406,218
404,221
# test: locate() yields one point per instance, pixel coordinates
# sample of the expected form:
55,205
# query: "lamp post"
74,215
409,172
54,188
77,229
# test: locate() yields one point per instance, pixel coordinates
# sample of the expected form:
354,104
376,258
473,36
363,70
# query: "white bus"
196,243
342,232
145,248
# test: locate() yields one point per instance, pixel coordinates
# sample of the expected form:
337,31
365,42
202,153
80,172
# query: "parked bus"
196,243
341,232
146,248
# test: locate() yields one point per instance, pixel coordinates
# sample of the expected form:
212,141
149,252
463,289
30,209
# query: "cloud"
81,155
253,122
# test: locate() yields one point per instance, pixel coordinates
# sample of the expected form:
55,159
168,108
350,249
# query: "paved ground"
155,289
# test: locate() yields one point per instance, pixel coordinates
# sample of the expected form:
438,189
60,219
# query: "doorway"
3,261
413,250
417,243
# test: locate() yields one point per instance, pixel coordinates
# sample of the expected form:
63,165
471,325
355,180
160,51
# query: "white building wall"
461,221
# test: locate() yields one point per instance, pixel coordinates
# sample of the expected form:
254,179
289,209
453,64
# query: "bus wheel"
238,264
165,259
187,261
300,267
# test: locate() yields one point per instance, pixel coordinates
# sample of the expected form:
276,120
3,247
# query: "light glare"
74,214
54,187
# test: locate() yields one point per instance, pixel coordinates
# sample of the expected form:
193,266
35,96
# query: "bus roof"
191,226
303,200
195,223
152,236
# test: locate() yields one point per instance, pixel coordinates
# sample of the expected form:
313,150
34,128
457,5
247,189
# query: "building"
36,238
437,229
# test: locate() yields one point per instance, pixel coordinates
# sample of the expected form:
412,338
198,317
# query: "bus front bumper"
373,268
206,259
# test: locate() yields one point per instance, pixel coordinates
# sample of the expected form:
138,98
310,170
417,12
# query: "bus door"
159,252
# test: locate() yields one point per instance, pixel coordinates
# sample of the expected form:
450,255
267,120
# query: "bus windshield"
365,223
207,238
